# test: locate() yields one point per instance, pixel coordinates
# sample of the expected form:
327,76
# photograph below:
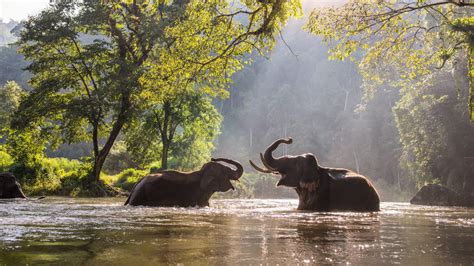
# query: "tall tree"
415,47
181,124
94,62
404,42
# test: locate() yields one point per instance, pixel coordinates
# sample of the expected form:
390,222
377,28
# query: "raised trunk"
20,193
239,169
268,156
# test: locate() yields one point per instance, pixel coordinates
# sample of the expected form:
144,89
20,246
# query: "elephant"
170,188
320,188
9,187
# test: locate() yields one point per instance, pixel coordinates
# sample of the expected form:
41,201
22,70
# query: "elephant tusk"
260,169
266,164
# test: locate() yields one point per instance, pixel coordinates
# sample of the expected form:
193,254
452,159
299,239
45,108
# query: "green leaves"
10,96
186,120
403,43
97,64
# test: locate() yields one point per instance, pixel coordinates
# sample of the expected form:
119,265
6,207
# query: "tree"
422,48
95,62
183,124
10,96
404,42
437,143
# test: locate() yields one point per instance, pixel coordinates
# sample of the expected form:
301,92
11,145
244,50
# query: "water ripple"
250,231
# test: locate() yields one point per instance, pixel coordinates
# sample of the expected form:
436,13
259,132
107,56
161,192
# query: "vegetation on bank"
102,67
64,177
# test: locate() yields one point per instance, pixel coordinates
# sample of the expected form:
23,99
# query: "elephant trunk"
268,159
20,193
238,172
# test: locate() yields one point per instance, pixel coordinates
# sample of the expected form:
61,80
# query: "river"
102,231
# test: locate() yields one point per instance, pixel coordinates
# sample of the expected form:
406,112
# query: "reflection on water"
102,231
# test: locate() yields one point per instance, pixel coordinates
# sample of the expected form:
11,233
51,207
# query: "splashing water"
103,231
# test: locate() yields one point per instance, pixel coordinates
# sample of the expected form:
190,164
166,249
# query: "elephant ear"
209,182
310,170
209,179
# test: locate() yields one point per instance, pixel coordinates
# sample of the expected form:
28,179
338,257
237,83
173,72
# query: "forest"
96,95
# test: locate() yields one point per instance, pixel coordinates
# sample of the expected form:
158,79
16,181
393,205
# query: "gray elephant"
320,188
9,187
174,188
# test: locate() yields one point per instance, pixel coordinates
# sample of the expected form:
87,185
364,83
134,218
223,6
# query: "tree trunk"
99,159
97,168
470,56
164,156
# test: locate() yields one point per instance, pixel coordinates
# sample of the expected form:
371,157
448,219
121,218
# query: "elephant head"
9,188
216,176
212,177
294,170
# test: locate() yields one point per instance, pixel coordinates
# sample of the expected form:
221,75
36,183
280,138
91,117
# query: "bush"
6,161
126,179
45,176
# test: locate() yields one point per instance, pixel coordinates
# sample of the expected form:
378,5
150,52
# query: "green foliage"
126,179
45,176
10,96
183,124
421,133
27,145
418,47
403,42
132,53
312,99
436,134
466,25
6,160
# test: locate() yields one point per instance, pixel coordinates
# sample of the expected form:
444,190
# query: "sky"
20,9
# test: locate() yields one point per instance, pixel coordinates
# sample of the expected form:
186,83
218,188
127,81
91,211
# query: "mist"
298,92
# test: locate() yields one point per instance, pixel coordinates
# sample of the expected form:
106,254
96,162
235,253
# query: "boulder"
437,195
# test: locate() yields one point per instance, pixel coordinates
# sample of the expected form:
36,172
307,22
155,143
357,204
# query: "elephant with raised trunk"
320,188
173,188
9,187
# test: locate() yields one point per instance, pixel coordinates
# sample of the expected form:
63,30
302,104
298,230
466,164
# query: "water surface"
245,232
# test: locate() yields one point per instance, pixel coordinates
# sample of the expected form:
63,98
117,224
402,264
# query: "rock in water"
433,194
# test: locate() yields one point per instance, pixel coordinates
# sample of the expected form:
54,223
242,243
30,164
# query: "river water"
243,232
